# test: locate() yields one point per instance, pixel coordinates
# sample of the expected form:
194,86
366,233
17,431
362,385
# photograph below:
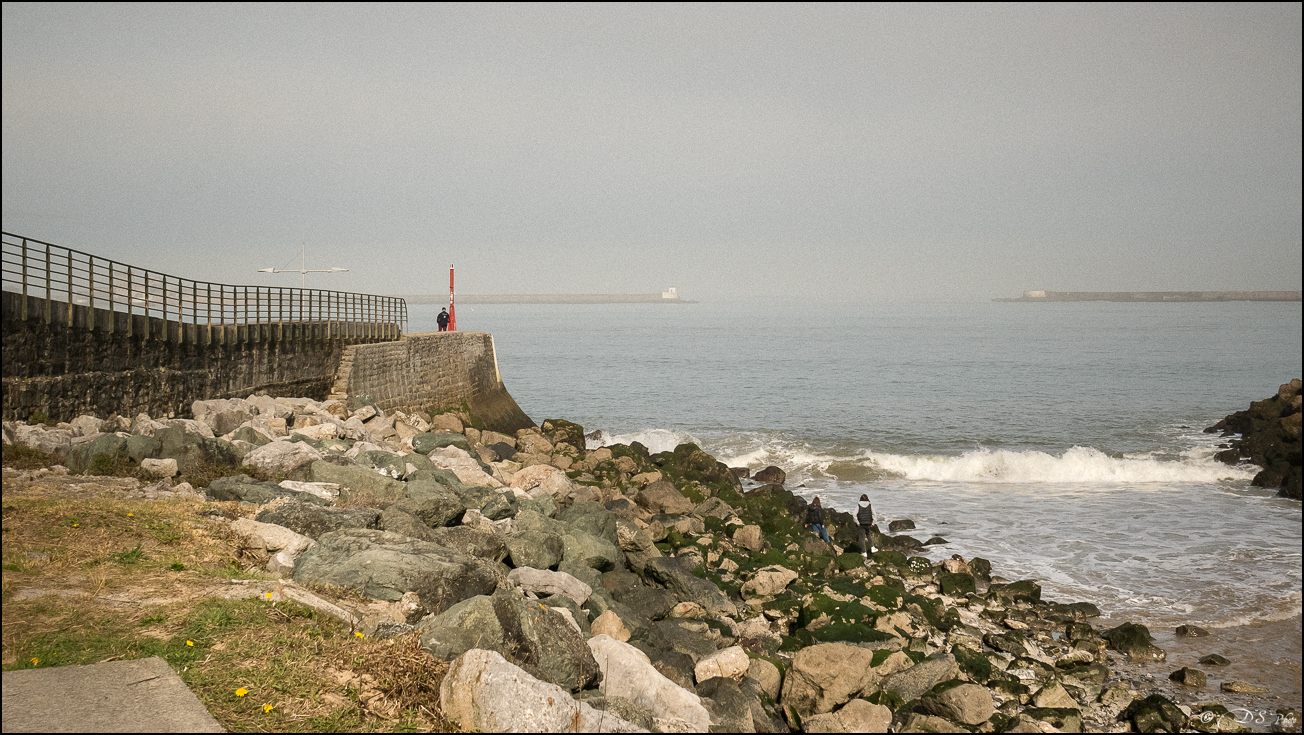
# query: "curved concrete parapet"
438,371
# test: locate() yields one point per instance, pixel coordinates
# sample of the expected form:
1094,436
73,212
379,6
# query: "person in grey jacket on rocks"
865,519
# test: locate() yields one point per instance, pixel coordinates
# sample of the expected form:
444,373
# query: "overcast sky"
801,152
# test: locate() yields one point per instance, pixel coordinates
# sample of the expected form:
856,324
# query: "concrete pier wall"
437,371
104,362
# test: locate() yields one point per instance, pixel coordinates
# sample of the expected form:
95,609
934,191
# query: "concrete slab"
145,695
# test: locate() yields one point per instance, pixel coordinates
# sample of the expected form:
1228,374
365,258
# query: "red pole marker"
452,313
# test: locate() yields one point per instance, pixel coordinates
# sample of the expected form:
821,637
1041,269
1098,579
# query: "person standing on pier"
443,320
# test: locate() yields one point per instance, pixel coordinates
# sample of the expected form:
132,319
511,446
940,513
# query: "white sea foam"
1078,464
656,440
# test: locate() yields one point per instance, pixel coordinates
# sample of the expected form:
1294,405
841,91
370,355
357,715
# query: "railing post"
90,298
112,319
131,320
70,288
24,279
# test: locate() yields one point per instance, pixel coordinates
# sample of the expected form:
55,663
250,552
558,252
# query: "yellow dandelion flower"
268,708
241,692
131,515
36,661
358,634
75,525
268,595
190,643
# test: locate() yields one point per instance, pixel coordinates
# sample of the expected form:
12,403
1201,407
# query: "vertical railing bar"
49,282
112,319
24,279
131,320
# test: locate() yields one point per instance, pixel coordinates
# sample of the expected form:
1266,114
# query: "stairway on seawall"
340,388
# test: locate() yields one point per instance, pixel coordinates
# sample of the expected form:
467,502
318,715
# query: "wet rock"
770,476
1191,630
1240,687
1189,677
1155,713
1214,659
1135,641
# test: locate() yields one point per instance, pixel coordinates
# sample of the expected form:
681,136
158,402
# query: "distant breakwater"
1165,296
552,298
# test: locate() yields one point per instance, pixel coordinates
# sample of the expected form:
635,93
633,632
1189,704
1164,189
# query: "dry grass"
91,576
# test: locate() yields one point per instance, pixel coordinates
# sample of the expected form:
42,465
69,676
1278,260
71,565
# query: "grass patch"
23,457
90,578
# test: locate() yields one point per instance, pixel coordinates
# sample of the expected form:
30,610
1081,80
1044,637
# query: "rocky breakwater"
1270,438
620,590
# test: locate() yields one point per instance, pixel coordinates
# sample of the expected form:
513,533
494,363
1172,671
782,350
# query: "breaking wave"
1078,464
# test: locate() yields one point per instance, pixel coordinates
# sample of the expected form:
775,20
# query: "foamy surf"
1076,465
656,440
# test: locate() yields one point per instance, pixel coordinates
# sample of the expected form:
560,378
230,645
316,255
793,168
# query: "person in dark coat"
815,519
865,519
442,319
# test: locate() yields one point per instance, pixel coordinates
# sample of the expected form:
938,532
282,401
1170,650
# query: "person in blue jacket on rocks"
815,519
865,519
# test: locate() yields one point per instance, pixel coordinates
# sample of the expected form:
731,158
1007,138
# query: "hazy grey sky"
849,152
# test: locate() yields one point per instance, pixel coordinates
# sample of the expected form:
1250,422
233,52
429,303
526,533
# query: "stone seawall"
437,371
108,362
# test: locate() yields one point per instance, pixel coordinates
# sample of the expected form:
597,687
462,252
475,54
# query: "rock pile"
620,590
1270,438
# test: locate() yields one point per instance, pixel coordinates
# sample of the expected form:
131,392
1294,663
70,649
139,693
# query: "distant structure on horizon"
670,296
1174,296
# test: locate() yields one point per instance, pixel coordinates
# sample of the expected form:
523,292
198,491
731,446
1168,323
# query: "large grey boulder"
484,692
82,456
280,458
313,520
427,442
223,415
537,638
476,542
968,703
433,503
542,583
191,450
385,566
590,551
662,497
536,549
244,488
281,544
677,575
729,707
385,463
628,672
358,482
592,518
826,676
917,680
54,441
769,582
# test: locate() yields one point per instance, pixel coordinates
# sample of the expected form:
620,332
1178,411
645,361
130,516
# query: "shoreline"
762,587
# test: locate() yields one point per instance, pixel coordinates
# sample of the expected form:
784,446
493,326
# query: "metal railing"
66,278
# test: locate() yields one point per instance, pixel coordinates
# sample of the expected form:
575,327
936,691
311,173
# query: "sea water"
1063,442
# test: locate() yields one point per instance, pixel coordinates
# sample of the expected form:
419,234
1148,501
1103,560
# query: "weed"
128,557
23,457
